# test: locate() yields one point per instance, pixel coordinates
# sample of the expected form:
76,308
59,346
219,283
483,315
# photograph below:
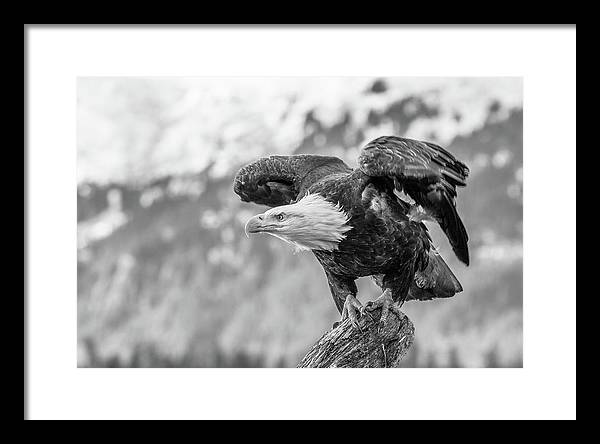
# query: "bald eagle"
366,221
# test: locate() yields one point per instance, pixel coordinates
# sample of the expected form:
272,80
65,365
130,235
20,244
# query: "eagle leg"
387,304
353,309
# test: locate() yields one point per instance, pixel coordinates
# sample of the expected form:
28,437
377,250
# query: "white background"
543,389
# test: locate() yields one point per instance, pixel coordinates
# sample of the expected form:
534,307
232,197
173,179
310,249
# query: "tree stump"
348,346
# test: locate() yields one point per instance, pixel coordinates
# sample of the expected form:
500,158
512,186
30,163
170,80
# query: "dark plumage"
382,235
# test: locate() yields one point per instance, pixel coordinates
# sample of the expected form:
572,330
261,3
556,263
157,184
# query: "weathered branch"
347,346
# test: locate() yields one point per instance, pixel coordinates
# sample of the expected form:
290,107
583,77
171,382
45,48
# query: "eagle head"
312,223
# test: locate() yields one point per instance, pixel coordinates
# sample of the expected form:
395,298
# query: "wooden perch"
347,346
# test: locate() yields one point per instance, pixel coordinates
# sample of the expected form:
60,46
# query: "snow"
131,129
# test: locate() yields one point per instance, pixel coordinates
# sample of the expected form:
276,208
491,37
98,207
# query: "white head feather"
312,223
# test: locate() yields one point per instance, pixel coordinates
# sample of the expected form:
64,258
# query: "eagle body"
382,237
356,222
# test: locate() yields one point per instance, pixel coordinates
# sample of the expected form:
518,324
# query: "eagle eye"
280,217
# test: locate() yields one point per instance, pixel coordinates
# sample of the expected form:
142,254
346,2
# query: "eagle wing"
428,174
278,180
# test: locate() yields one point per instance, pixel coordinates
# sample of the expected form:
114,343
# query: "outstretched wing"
427,173
277,180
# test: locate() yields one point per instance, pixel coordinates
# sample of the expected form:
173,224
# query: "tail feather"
436,281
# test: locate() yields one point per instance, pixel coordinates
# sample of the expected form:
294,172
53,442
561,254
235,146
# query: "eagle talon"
387,304
363,312
352,309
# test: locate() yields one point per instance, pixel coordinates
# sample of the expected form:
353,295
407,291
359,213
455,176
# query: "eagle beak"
254,224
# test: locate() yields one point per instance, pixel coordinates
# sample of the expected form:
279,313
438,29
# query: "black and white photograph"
230,218
394,207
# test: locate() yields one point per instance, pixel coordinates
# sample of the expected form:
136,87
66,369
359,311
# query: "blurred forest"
166,276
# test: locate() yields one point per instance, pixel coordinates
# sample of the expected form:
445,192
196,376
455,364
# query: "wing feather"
428,174
278,180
